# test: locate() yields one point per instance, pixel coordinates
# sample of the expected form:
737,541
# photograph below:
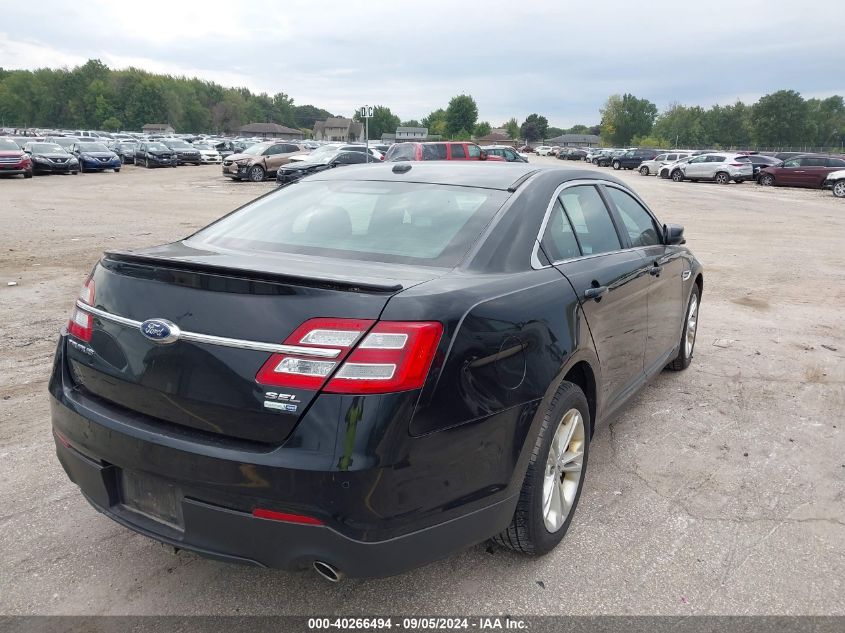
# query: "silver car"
719,167
651,167
836,182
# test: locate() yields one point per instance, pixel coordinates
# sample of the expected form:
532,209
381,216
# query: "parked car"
13,160
294,171
506,152
50,158
543,150
126,150
374,368
65,141
719,167
808,170
154,154
208,155
228,147
653,166
93,156
186,154
259,161
672,170
447,150
605,159
759,161
835,181
573,153
594,153
632,159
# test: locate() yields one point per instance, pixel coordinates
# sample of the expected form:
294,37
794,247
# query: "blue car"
95,157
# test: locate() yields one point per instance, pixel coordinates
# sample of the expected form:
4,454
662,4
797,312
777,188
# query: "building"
158,128
411,134
388,139
270,130
496,138
339,129
574,140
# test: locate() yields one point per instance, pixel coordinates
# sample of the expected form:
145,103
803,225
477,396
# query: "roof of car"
494,175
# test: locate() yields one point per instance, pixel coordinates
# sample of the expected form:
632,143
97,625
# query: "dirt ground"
720,490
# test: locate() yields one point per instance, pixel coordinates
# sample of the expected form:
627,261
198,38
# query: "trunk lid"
208,386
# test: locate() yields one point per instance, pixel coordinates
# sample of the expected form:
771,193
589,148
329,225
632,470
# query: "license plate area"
153,498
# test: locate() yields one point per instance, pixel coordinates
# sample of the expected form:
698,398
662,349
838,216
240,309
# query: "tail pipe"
327,571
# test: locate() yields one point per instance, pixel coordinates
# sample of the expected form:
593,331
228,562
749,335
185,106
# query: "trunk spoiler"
332,283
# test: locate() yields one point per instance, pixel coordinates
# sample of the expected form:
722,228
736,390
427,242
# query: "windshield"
393,222
202,146
7,145
255,150
47,148
92,147
157,147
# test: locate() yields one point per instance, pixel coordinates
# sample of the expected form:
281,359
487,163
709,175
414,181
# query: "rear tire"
552,486
722,178
687,348
27,174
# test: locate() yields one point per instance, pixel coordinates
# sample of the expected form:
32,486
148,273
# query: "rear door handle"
595,293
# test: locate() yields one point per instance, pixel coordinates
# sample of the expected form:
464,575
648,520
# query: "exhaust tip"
327,571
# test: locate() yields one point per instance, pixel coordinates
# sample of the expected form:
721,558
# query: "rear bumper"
238,537
383,511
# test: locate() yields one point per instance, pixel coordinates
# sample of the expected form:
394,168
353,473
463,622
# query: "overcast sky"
561,59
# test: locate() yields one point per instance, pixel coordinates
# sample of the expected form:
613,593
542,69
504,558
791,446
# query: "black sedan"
286,174
51,158
186,154
126,150
154,154
759,161
373,368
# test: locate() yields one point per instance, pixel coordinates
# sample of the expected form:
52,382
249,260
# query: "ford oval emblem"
160,330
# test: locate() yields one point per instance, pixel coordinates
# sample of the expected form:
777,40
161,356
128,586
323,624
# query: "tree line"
93,96
780,119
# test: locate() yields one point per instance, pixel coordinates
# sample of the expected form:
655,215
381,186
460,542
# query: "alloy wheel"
563,470
839,189
767,180
722,178
692,325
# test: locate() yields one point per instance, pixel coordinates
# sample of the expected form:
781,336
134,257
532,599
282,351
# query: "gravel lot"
720,490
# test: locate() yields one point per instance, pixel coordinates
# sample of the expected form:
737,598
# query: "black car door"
582,240
666,268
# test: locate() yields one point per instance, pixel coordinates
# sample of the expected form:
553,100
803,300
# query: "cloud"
559,59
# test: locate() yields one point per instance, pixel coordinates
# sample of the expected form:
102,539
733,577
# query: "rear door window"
559,242
434,151
590,219
812,161
715,158
458,151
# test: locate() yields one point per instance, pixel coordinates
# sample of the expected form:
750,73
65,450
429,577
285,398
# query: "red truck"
13,160
446,150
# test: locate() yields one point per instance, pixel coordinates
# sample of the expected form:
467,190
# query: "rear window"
392,222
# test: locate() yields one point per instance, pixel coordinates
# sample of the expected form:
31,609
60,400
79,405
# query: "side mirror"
482,155
673,234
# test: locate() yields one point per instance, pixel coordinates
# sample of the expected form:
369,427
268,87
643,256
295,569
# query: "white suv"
719,167
543,150
651,167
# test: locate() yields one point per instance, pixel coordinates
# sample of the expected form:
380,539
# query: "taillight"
81,323
302,371
392,356
738,164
